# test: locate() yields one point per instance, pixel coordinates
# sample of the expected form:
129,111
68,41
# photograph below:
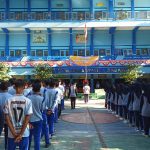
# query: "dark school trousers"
146,123
73,102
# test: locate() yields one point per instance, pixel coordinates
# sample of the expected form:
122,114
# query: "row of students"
131,103
29,112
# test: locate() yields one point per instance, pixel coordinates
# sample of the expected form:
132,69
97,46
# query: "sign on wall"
80,38
100,4
39,37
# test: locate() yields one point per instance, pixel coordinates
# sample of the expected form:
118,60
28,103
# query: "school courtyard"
92,127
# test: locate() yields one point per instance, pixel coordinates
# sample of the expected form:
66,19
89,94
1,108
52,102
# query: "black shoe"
47,145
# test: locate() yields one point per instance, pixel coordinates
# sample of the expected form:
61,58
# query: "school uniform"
51,102
120,105
136,110
45,126
62,88
86,92
146,114
36,119
4,96
17,107
72,94
11,90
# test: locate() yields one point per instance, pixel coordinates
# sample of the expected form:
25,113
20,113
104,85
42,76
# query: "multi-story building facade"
53,30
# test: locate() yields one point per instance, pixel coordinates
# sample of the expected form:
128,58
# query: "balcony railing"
62,58
74,16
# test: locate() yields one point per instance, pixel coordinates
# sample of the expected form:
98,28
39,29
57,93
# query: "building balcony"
74,16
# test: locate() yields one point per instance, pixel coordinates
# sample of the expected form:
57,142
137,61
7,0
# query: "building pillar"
92,42
29,6
7,9
71,42
28,41
112,33
6,31
111,9
70,9
132,8
134,35
49,42
92,8
92,83
49,6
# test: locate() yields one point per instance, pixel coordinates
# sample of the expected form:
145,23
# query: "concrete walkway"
91,127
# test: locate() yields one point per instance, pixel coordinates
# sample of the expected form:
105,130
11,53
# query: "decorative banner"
80,38
39,37
84,61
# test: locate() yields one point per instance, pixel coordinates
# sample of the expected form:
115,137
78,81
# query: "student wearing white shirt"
18,110
86,92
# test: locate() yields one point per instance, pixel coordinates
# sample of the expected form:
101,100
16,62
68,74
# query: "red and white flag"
85,32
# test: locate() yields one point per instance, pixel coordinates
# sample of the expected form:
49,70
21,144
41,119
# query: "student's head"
36,86
57,84
51,83
3,86
12,81
19,86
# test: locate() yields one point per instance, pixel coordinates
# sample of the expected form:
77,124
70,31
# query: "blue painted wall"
2,4
18,4
39,4
102,37
143,38
60,38
123,38
142,3
2,39
126,3
60,4
17,39
81,4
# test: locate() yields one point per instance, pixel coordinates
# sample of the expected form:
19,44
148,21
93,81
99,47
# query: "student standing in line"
45,126
18,110
62,88
51,100
36,117
86,92
59,98
73,94
145,111
4,96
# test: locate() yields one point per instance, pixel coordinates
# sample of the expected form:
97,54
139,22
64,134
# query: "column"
134,34
92,42
29,9
132,8
70,9
6,31
92,9
49,6
6,9
28,41
92,83
49,42
111,9
112,33
71,42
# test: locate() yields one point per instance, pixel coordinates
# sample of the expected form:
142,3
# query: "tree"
43,71
133,72
4,72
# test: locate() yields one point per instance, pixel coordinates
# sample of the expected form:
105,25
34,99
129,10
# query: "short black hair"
3,85
51,83
19,83
36,86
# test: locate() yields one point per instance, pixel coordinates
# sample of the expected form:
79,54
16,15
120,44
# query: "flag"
85,32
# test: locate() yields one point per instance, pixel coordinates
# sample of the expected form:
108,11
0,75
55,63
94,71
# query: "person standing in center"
73,94
86,92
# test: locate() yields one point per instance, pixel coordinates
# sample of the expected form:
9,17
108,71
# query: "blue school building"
53,32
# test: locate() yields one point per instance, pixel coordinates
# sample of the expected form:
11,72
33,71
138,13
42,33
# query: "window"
108,52
24,53
81,52
12,53
127,52
102,52
39,52
67,53
62,53
81,15
138,52
87,53
144,51
17,52
119,52
2,53
32,53
46,53
100,15
75,53
96,53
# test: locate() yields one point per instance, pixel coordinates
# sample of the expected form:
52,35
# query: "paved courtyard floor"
91,127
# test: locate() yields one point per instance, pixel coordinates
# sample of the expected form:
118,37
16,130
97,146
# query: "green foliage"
132,73
43,71
4,72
